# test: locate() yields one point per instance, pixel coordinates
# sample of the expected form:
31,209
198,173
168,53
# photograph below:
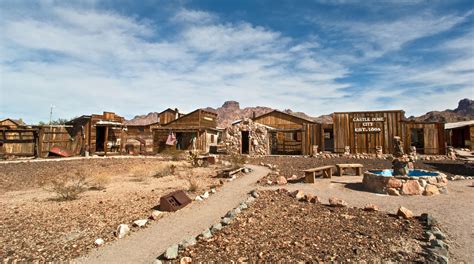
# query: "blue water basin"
411,173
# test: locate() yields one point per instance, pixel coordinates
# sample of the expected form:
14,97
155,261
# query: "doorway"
99,138
328,140
417,139
245,142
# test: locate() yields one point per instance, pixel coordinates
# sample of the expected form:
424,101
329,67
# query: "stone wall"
405,185
258,136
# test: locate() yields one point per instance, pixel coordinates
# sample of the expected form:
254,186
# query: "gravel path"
453,210
144,246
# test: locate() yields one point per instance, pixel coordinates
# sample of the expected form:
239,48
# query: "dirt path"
454,210
144,246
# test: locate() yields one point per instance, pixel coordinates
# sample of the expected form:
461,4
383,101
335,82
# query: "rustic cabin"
17,139
288,134
9,123
460,134
101,134
197,129
139,139
365,132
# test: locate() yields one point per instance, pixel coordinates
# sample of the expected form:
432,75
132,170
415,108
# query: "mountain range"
231,111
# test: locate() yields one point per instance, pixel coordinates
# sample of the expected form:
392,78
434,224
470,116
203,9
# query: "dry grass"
69,187
99,181
194,185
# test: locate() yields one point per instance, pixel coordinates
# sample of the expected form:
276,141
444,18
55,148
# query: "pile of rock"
406,185
459,177
258,135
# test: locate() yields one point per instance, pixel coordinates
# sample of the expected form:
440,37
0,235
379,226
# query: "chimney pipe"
176,113
254,115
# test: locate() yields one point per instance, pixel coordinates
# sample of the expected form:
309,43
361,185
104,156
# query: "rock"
243,206
155,214
254,194
429,219
422,183
394,183
206,234
439,243
432,180
250,200
213,190
171,252
438,234
186,260
205,195
122,231
392,191
431,190
293,177
216,227
429,236
443,190
299,195
439,255
336,202
140,222
99,242
225,221
307,197
281,180
188,242
412,187
371,208
157,261
198,198
246,170
404,212
315,200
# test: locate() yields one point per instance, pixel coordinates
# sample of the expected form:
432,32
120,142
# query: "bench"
357,167
310,174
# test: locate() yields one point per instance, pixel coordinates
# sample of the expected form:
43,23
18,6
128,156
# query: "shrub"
194,185
173,153
99,181
165,171
237,160
69,187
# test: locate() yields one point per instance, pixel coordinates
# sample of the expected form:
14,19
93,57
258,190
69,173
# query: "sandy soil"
453,210
278,228
35,225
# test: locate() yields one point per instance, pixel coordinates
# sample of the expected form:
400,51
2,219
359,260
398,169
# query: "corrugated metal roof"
458,124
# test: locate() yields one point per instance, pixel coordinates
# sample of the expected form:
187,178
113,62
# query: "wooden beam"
106,139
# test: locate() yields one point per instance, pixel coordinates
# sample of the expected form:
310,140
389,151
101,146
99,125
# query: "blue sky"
134,57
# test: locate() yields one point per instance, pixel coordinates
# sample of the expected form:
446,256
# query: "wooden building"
289,134
460,134
198,127
9,123
364,132
99,134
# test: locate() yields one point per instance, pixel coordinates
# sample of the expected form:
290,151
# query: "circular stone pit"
431,183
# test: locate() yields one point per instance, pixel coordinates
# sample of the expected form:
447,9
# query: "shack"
369,131
460,134
288,134
197,129
99,134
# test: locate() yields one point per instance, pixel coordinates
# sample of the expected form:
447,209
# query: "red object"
60,151
174,201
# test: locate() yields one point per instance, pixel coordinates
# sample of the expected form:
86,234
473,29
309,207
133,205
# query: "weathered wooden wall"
137,134
433,137
18,142
307,133
381,133
471,136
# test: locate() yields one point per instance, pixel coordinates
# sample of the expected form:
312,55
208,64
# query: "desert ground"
37,224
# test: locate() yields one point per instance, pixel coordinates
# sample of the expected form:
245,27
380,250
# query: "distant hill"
231,111
464,111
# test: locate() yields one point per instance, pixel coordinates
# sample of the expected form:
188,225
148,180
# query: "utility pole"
51,114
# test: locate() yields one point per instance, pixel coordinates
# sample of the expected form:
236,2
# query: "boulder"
140,222
198,198
254,193
392,191
431,190
171,252
412,187
371,208
336,202
299,195
226,221
250,200
215,228
206,234
122,230
243,206
315,200
404,212
394,183
281,180
188,242
205,195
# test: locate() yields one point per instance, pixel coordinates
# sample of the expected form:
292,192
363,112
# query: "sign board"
364,124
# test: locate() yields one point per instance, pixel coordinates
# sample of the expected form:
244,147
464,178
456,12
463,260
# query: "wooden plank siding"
378,128
308,133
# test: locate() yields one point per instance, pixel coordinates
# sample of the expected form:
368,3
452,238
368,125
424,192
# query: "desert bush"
237,160
194,185
173,153
68,187
99,181
165,171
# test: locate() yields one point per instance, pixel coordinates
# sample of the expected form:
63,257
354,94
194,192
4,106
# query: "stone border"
438,249
406,185
172,252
